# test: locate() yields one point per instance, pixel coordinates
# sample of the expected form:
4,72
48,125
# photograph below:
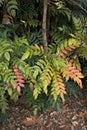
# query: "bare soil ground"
73,116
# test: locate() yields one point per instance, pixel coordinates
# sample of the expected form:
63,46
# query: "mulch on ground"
73,116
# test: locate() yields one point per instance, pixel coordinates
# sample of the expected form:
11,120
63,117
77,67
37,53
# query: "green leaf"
35,111
14,96
26,55
13,83
35,73
7,56
1,2
22,68
13,12
9,91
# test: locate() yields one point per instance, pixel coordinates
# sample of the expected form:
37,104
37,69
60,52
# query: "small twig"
76,3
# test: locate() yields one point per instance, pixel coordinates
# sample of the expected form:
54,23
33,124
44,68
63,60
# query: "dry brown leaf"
32,121
29,121
83,114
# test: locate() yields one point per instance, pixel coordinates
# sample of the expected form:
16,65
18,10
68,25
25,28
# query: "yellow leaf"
67,78
37,46
9,91
45,86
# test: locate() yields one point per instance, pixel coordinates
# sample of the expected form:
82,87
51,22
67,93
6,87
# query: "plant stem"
44,27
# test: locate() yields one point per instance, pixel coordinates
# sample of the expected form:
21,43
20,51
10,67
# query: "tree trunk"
48,21
44,27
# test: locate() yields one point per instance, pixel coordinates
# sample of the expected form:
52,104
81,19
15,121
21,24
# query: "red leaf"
75,71
20,84
19,76
14,67
19,81
18,89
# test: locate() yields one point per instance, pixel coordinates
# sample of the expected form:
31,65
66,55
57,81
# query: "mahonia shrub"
42,75
24,65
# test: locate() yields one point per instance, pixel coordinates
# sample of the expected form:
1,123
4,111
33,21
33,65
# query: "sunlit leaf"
25,55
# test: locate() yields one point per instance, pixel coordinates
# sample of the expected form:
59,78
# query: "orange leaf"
81,86
37,46
62,97
31,86
65,51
